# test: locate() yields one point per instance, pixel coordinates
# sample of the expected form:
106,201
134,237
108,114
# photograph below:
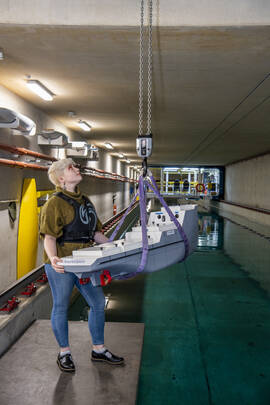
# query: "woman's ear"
61,179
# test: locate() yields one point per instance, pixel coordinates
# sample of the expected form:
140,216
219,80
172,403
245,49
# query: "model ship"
118,259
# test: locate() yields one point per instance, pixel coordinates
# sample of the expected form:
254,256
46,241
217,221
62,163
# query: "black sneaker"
65,363
107,357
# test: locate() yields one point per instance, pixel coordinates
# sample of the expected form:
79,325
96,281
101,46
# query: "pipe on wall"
23,151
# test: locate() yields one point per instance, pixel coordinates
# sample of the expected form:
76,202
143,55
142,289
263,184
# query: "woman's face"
71,175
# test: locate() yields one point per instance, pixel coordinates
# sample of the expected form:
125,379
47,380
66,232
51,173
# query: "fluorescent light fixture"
171,169
84,126
190,169
38,88
108,145
120,155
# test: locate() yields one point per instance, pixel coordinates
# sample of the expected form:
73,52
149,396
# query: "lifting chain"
150,68
144,141
149,72
141,72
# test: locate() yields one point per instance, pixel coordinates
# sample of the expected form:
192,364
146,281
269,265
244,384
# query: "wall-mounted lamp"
108,145
84,126
38,88
1,54
17,121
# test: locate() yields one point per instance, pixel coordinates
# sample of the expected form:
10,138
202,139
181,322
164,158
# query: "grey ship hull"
123,257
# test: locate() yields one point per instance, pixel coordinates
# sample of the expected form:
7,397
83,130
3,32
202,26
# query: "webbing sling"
143,217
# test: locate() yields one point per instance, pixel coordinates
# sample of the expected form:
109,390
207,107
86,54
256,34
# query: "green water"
207,321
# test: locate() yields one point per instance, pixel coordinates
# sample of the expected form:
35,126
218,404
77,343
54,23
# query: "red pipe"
119,177
22,165
102,177
23,151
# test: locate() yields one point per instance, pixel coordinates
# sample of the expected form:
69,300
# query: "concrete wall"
247,182
126,12
11,180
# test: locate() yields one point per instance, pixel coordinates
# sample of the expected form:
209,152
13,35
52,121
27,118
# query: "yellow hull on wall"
28,229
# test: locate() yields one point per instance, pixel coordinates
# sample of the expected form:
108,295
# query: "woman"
69,222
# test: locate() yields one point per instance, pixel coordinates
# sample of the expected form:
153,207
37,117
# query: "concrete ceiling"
211,86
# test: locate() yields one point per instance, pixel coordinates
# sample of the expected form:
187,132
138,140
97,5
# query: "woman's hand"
51,250
100,238
55,264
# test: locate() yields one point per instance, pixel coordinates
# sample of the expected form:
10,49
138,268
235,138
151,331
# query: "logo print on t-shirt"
84,215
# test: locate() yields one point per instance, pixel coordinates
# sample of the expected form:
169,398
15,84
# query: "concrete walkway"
29,374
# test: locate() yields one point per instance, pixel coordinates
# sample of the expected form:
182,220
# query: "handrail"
247,207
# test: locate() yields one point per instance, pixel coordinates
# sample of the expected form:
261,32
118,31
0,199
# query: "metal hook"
144,167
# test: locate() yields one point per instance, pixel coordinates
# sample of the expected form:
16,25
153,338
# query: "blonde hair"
57,169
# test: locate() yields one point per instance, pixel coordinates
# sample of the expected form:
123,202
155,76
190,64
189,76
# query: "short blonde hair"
57,169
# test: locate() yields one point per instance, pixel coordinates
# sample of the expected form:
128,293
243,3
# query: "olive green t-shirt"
54,215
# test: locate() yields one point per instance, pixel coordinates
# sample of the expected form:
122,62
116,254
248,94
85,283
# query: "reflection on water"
210,235
250,250
246,247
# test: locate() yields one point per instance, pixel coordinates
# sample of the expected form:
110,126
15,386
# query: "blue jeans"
62,285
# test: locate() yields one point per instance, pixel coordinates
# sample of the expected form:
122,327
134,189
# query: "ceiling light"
37,87
120,155
108,145
171,169
83,125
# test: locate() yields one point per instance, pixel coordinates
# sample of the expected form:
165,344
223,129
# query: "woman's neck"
71,188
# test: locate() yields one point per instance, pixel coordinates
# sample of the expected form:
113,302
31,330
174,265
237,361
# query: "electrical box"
78,152
93,153
85,151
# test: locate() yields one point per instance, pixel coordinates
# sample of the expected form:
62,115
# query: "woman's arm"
51,250
100,238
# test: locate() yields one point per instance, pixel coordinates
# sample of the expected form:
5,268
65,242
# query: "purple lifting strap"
143,217
122,219
174,220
